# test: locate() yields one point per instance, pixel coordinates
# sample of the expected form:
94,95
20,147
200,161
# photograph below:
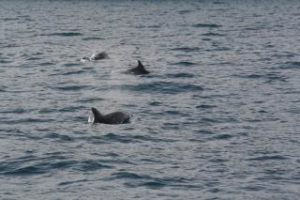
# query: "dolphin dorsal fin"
98,117
140,69
140,65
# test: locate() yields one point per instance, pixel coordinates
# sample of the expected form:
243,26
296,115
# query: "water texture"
218,117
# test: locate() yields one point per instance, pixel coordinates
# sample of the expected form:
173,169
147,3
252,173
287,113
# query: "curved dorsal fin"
140,65
141,69
98,117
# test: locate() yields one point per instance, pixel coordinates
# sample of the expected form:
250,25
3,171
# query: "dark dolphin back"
117,118
112,118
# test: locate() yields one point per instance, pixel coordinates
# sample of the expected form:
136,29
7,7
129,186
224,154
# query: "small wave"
264,158
47,110
92,38
218,120
3,61
185,63
41,167
252,76
10,19
291,65
152,139
91,100
222,137
117,138
15,167
72,182
73,73
219,49
139,180
200,25
252,28
218,160
71,109
154,26
206,132
33,58
108,138
218,2
69,73
127,175
131,139
180,75
206,106
186,49
270,77
149,184
16,111
71,64
90,165
63,34
182,12
47,64
26,120
11,46
173,112
252,188
155,103
213,34
164,87
286,55
70,87
61,137
112,137
30,170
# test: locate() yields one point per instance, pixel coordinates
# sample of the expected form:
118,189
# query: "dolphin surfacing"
139,70
111,118
96,56
99,56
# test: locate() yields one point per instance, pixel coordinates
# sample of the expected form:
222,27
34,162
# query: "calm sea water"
217,118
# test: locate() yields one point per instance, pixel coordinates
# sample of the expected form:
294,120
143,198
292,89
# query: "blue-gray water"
217,118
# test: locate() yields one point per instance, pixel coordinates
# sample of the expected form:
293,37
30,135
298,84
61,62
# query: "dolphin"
96,56
99,56
111,118
139,70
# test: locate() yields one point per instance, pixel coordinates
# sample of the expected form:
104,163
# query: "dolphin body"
99,56
96,56
111,118
139,70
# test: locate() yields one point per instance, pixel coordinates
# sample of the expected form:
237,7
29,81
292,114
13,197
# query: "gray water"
217,117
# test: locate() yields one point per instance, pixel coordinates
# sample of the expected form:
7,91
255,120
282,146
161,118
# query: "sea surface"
217,118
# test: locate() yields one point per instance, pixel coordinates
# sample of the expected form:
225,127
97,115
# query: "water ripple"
291,65
180,75
185,63
137,180
70,87
92,38
23,169
187,49
63,34
63,73
211,34
201,25
164,87
112,137
265,158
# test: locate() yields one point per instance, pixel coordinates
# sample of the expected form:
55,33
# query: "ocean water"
218,117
